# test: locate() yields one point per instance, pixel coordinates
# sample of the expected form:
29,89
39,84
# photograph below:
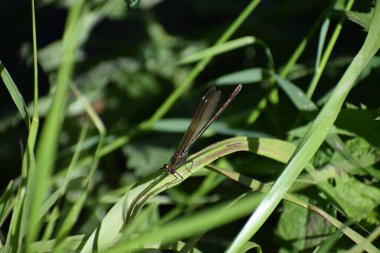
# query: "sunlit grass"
70,197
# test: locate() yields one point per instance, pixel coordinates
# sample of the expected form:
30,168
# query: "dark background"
125,99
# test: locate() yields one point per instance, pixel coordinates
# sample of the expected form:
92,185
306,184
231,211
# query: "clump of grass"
321,177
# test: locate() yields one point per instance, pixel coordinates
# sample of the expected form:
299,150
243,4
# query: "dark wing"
201,118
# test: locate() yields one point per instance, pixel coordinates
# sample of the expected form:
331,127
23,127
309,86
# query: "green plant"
318,157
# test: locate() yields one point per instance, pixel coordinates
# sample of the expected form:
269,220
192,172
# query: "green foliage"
302,228
123,80
356,199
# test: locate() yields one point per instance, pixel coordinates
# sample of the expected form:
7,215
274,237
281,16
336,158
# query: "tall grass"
314,181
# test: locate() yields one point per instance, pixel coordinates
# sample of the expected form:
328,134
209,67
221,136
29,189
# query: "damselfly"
202,119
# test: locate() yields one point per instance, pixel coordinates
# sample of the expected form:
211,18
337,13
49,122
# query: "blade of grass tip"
302,46
15,94
318,69
321,64
321,42
164,108
35,66
326,55
99,126
284,72
38,179
296,95
315,135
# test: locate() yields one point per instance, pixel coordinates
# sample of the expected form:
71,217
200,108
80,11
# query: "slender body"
202,119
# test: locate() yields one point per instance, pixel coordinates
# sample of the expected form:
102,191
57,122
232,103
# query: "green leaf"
177,125
302,228
252,75
145,159
299,98
361,150
218,49
362,123
358,200
360,18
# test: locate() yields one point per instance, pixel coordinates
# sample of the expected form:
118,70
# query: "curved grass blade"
258,186
116,218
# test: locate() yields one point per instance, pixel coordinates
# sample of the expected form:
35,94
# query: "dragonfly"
203,117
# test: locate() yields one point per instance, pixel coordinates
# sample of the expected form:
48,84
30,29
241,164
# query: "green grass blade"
72,244
39,178
55,198
321,42
129,205
195,224
258,186
218,49
15,94
302,102
74,212
322,64
20,218
252,75
7,202
315,135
